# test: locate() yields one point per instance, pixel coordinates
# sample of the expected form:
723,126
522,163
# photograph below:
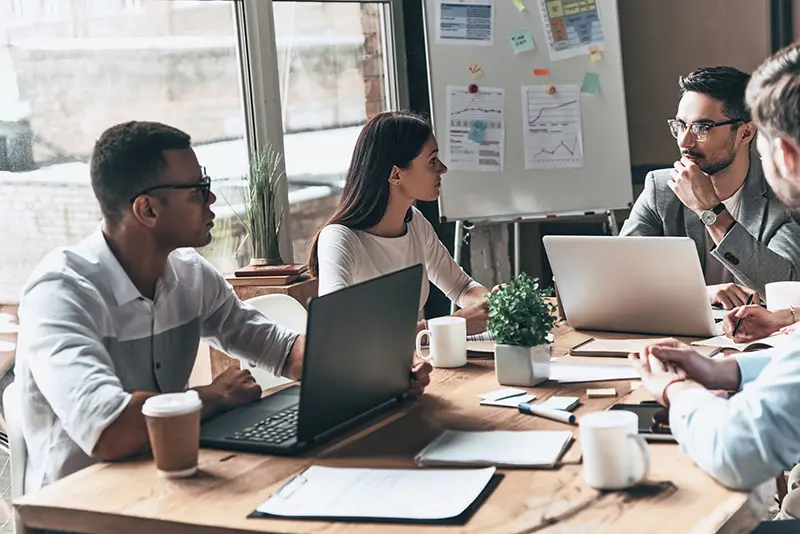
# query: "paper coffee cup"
780,295
173,424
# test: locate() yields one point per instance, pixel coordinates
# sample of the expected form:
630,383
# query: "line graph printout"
552,127
571,26
485,110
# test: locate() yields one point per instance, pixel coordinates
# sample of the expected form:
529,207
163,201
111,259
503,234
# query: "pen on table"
547,413
739,322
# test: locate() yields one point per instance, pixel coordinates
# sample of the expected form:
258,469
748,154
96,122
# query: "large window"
334,76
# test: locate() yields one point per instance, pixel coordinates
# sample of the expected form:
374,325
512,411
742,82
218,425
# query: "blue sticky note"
521,41
591,83
477,131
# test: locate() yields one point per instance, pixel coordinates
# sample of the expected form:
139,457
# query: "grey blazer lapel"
753,210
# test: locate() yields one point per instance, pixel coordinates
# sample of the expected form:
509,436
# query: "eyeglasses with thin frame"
699,129
204,185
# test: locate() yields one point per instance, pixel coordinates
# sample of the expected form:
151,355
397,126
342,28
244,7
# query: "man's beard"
713,167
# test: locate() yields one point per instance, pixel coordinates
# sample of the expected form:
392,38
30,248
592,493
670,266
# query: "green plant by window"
520,314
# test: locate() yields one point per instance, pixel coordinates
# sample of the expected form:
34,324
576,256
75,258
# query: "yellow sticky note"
519,4
595,54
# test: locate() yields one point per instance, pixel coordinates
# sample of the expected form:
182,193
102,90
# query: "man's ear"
748,132
787,156
394,176
145,210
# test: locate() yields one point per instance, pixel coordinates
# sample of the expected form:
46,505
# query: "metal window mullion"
262,97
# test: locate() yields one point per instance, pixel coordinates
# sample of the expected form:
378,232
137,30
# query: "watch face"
708,217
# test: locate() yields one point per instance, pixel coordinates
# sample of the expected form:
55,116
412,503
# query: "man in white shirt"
716,193
753,436
117,319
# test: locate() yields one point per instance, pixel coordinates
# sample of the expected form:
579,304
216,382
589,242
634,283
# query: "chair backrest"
285,311
16,442
282,309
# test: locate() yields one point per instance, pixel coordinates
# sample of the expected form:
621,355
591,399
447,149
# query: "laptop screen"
359,350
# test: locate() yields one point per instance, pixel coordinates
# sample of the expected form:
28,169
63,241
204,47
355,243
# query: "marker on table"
547,413
739,322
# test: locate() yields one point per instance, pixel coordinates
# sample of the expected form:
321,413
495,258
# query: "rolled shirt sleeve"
240,330
61,338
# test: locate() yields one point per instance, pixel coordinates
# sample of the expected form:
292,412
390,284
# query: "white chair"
285,311
16,442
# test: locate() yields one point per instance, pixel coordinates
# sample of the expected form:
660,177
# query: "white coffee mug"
615,456
781,295
448,342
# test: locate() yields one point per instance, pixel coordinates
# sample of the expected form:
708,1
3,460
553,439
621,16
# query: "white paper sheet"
528,448
571,27
551,127
724,342
465,22
463,109
510,402
569,373
378,493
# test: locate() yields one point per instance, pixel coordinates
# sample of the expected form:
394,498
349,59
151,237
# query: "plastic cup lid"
172,404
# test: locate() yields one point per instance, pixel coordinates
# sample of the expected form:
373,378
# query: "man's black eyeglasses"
204,185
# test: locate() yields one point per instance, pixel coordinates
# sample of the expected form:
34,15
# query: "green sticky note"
521,41
477,131
591,83
519,4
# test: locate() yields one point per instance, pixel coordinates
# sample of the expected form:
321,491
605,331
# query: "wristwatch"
709,217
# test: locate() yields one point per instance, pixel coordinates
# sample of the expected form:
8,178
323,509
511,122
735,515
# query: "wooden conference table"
128,497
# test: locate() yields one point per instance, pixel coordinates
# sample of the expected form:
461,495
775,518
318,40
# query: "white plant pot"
521,366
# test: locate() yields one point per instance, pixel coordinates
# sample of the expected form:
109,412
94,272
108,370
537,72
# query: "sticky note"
475,70
519,4
477,131
561,403
541,72
601,392
595,54
591,83
521,41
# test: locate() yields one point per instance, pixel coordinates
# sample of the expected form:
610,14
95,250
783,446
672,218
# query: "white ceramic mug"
448,342
615,456
780,295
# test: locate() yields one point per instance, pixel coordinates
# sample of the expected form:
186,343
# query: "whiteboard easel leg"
517,248
612,222
457,249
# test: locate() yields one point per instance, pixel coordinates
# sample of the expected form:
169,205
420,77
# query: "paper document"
465,22
330,492
551,127
464,151
569,373
510,402
531,448
724,342
572,27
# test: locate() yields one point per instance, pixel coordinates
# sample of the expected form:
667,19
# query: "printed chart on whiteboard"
552,130
465,22
475,128
571,26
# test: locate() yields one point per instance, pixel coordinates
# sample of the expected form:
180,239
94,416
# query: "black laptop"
358,355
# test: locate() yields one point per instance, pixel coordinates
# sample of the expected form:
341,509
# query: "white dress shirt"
88,339
753,436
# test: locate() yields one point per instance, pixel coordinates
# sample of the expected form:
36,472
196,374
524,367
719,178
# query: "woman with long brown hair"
377,230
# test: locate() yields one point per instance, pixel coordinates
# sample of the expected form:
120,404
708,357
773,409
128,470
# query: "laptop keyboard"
272,430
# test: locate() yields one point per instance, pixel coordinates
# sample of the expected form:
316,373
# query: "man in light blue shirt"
753,436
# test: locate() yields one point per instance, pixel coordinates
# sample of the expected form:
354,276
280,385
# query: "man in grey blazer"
717,195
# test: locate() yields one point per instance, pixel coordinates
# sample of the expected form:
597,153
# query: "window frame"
260,81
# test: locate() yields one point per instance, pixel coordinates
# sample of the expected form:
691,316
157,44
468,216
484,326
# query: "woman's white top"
347,257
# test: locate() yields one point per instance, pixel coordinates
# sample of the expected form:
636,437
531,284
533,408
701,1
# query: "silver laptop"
649,285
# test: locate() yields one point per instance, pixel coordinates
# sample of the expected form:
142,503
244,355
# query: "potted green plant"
262,219
521,318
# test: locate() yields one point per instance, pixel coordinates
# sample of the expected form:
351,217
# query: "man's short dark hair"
726,84
128,158
774,95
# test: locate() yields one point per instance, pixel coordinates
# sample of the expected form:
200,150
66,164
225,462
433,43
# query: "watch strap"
719,208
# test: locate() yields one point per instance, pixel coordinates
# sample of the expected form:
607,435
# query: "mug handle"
645,453
420,335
